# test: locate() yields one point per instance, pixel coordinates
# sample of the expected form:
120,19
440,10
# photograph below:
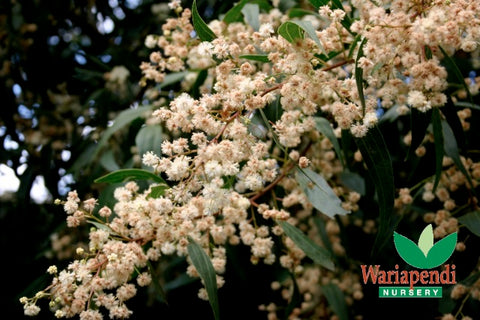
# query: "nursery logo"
422,255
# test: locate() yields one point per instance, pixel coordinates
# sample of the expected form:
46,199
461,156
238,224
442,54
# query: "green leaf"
255,57
107,160
419,122
201,77
456,72
294,29
251,13
319,193
129,174
149,138
290,31
172,78
158,191
353,45
325,58
471,221
451,150
205,269
377,158
299,12
336,300
425,242
390,115
318,254
124,118
464,104
235,13
295,300
428,52
203,30
359,76
335,4
353,181
266,122
439,151
320,224
156,282
310,30
100,226
181,281
323,126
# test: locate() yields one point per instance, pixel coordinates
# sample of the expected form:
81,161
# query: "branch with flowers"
275,142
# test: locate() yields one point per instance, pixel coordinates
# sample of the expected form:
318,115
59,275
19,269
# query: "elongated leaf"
235,13
251,13
205,269
335,4
202,76
324,58
100,226
298,13
390,115
123,118
156,282
425,242
318,254
323,126
255,57
129,174
266,122
296,298
471,221
439,151
107,160
319,193
290,31
320,224
464,104
181,281
353,45
149,138
377,158
310,30
295,29
172,78
456,72
354,181
336,300
451,150
419,122
203,30
359,76
158,191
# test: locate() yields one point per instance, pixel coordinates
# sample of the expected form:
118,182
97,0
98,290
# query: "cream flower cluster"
230,169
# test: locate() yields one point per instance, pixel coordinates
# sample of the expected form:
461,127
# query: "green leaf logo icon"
425,255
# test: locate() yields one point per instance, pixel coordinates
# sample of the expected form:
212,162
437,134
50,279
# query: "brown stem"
100,265
338,64
279,178
278,86
235,115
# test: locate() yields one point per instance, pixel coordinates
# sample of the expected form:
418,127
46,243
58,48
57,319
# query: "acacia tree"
291,133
